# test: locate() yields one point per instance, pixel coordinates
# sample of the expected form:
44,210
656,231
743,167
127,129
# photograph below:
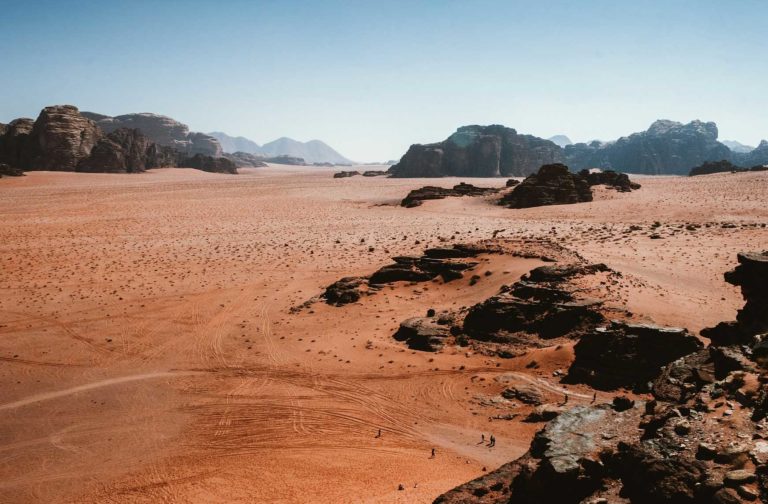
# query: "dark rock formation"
125,151
666,147
375,173
344,291
700,441
209,164
478,151
16,145
423,333
447,263
161,130
552,185
286,160
610,178
757,157
345,174
628,355
752,276
710,167
9,171
420,269
61,138
417,196
244,159
538,307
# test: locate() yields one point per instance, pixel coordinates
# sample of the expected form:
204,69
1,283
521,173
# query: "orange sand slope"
148,352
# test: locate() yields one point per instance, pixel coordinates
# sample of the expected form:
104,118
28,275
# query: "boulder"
423,333
709,167
344,291
552,185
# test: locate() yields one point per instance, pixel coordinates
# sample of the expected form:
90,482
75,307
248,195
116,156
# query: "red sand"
147,351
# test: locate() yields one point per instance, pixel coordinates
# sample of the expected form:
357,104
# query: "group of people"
491,440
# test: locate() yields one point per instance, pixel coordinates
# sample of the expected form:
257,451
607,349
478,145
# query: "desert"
150,351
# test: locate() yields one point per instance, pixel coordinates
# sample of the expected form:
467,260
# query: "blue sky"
370,78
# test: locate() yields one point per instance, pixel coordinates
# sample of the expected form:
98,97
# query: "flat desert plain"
149,351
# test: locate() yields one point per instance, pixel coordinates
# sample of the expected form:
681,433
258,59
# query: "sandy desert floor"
148,352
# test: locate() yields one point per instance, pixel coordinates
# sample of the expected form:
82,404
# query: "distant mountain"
478,151
230,145
313,151
560,140
738,146
666,147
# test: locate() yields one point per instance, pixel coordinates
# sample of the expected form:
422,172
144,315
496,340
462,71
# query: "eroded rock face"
122,151
628,355
61,138
478,151
162,130
709,167
552,185
417,196
666,147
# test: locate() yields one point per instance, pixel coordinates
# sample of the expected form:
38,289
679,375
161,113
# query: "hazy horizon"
369,80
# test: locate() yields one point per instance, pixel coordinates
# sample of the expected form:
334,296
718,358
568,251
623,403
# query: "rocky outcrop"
666,147
751,275
417,196
427,334
286,160
538,308
610,178
346,174
244,159
552,185
126,151
209,164
162,130
628,355
709,167
756,157
448,263
9,171
478,151
61,138
16,144
375,173
345,291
